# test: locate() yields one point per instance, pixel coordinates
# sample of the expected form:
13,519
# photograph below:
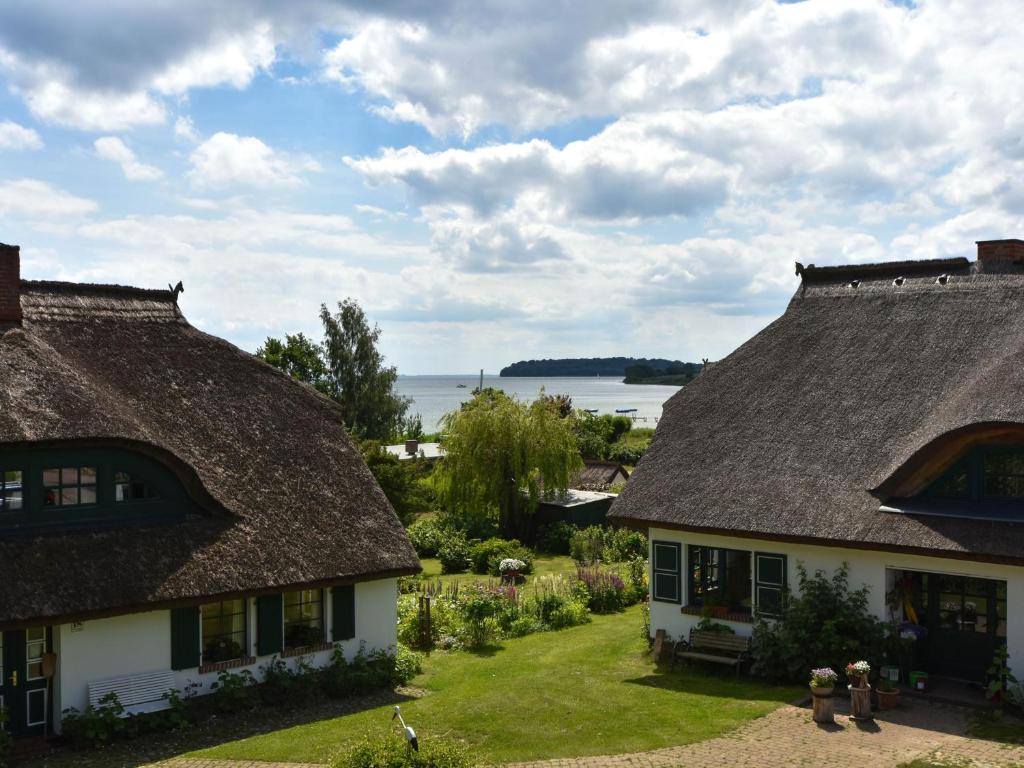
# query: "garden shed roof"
798,433
286,498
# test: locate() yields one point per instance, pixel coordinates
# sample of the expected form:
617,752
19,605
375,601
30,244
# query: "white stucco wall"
866,568
141,642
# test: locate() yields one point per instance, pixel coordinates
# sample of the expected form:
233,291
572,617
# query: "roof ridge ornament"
176,290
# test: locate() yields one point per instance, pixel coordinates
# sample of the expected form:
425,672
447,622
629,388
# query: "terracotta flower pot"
887,699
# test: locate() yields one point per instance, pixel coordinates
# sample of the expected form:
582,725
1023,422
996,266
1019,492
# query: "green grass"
583,691
542,564
997,726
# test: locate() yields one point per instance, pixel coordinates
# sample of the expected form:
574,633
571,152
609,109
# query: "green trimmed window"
769,583
69,486
11,492
224,634
720,578
128,488
991,473
666,571
303,618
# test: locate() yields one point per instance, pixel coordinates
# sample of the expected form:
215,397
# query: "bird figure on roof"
410,734
178,289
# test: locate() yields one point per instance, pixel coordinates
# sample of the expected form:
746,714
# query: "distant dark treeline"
633,367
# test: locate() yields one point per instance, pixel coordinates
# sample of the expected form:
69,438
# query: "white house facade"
878,423
170,507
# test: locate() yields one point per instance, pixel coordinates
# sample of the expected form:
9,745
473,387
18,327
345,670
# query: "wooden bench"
716,647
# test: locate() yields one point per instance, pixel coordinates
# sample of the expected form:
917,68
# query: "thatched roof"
787,437
287,498
598,475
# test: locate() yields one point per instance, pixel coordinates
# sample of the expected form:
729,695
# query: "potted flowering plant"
509,569
823,681
857,672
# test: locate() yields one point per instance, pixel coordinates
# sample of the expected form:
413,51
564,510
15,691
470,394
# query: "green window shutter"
666,571
769,583
269,625
185,637
343,609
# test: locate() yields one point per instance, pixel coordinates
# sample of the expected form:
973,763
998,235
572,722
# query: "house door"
23,688
966,621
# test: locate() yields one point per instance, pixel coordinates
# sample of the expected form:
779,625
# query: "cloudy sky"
496,180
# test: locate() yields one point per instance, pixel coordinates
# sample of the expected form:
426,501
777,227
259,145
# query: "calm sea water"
433,396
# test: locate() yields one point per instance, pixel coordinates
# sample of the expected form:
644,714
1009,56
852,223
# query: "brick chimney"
1000,255
10,283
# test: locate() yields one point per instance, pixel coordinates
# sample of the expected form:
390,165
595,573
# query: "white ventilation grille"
137,693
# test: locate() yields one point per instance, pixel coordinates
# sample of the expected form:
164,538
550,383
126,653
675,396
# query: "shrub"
623,544
284,685
233,691
824,625
483,608
627,453
636,573
427,536
555,605
587,544
365,672
94,726
606,591
393,752
554,538
486,556
454,553
408,664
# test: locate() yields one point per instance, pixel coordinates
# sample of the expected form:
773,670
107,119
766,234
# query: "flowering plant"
858,669
825,677
510,565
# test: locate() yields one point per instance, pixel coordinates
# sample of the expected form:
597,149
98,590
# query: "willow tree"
502,457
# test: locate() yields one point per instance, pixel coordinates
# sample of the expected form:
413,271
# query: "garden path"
786,738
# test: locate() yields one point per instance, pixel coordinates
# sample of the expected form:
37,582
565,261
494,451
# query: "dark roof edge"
106,613
60,286
637,523
813,274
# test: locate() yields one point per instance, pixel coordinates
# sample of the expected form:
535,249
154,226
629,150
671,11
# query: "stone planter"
887,699
824,705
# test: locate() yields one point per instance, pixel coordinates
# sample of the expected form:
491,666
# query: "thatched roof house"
599,475
878,421
149,468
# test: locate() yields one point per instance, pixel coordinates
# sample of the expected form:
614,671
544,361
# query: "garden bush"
556,604
623,544
627,452
607,544
825,624
392,751
234,691
94,726
554,538
408,664
606,591
284,685
363,673
427,536
587,544
454,553
486,556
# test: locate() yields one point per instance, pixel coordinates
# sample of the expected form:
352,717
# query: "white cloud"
185,129
14,136
32,197
114,149
231,60
228,159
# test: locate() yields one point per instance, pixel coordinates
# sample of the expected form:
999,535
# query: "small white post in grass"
410,734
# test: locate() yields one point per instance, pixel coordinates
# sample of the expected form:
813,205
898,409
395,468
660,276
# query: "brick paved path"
787,738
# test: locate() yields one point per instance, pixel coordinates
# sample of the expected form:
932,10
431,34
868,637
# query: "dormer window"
1003,475
11,493
128,488
69,486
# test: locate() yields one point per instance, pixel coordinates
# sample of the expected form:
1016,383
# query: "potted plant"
857,672
823,681
888,694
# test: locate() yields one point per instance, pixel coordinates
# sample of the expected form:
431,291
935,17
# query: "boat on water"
460,386
625,410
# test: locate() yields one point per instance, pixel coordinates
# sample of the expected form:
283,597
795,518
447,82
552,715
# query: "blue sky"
497,181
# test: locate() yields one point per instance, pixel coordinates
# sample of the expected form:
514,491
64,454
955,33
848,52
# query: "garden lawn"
588,690
542,565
